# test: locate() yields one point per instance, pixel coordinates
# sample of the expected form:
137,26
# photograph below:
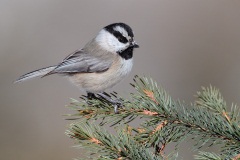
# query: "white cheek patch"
110,42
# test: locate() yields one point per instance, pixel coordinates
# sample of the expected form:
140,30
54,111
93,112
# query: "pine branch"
206,121
122,146
208,156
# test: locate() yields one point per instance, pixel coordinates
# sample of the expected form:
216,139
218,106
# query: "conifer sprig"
207,121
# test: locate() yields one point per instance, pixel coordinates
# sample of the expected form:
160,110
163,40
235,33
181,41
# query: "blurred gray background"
184,45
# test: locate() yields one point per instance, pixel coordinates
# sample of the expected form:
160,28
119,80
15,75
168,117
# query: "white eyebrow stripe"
121,30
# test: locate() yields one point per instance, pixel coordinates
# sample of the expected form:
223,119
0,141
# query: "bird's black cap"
110,29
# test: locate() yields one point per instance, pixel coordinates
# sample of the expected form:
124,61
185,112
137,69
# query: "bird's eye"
120,37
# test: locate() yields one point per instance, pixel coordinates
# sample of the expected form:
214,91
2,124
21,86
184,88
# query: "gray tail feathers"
37,73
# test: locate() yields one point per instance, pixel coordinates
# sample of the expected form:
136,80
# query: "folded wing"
83,62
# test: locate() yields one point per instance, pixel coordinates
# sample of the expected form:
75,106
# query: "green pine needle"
164,120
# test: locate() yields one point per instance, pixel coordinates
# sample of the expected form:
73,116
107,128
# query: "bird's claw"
117,103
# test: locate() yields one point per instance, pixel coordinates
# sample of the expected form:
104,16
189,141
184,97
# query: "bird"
101,64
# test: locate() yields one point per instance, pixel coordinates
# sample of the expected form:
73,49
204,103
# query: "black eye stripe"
120,37
110,28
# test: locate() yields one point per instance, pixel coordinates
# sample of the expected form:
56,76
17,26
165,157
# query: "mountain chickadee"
100,64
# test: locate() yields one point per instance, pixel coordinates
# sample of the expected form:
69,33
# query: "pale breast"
98,82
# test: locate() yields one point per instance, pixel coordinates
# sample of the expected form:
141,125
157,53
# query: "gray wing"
83,62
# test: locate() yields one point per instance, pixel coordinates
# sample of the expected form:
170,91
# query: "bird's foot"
91,95
117,103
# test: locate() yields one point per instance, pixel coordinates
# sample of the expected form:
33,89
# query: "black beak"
134,45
